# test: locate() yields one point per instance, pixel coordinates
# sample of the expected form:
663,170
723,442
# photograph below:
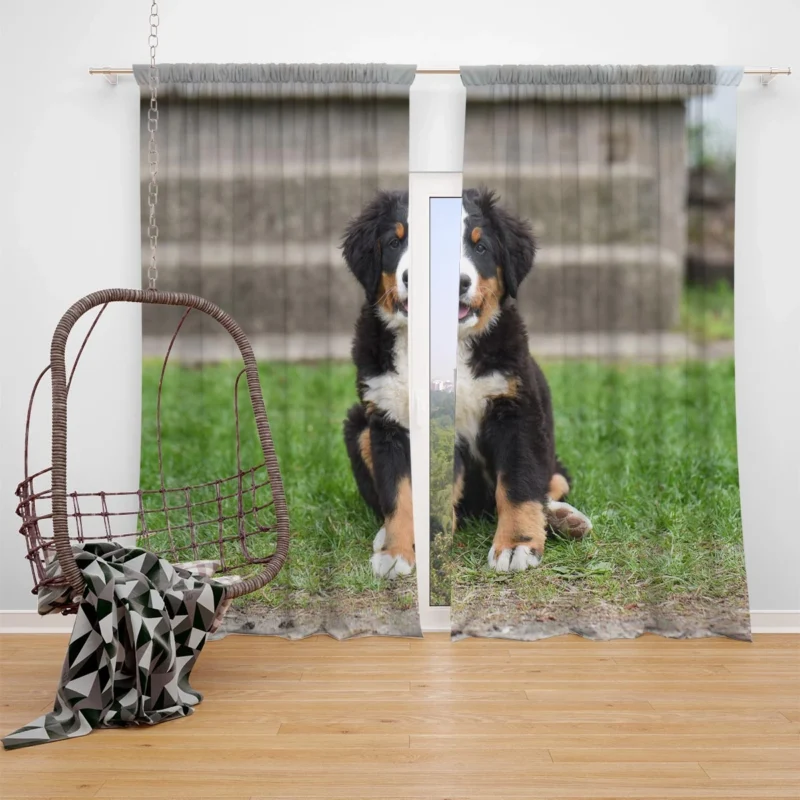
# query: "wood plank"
733,657
648,640
596,739
260,756
785,703
545,793
404,780
642,682
70,784
754,771
766,672
400,724
168,736
298,691
664,754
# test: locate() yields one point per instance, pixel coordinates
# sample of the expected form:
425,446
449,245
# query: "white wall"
69,215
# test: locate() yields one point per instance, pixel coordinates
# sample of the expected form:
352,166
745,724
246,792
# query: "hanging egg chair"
239,522
219,520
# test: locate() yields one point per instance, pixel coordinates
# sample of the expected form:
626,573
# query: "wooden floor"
398,718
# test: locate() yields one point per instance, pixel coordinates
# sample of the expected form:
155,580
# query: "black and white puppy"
375,248
505,461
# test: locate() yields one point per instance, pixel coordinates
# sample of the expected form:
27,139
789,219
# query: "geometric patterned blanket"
138,632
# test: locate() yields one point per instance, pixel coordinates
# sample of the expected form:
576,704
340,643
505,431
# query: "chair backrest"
245,483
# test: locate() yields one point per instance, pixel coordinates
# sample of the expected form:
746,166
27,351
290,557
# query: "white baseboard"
775,621
435,619
31,622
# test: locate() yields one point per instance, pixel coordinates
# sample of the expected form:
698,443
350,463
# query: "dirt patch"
490,613
686,618
339,614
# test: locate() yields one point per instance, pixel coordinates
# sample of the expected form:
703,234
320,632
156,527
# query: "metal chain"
152,152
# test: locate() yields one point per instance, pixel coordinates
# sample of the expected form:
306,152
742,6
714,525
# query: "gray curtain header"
625,75
389,74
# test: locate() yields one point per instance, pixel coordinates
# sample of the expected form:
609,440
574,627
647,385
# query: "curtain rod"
766,73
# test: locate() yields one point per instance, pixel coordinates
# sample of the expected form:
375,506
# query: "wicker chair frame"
250,483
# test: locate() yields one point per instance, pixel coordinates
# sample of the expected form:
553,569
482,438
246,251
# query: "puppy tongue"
463,310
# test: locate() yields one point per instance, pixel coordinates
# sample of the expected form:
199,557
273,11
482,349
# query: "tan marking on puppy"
518,523
365,446
487,299
458,493
476,235
400,230
458,488
559,487
388,292
400,525
513,388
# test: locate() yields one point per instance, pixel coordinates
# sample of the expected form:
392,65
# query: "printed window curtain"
624,177
263,168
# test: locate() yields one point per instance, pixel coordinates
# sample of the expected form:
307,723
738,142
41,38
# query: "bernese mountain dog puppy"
505,460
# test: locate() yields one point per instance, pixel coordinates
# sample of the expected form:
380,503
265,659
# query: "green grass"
652,451
707,312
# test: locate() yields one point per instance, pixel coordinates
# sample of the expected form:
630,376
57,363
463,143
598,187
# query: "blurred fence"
604,183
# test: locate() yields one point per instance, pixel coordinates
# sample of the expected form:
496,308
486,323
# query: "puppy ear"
519,249
361,248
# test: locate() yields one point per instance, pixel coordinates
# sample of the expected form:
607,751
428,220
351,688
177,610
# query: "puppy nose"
465,283
405,277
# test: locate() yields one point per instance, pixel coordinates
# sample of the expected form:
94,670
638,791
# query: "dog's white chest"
473,396
389,392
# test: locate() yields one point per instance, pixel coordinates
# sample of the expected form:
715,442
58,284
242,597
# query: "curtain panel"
262,169
600,493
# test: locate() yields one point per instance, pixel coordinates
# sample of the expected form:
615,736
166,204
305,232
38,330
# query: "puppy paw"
390,562
513,559
391,565
567,520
